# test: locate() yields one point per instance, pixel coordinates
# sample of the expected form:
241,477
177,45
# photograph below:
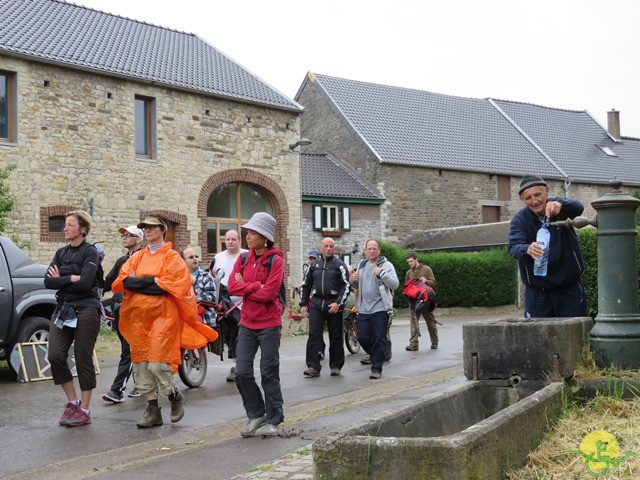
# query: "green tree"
7,201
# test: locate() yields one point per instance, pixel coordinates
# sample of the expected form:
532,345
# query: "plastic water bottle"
541,263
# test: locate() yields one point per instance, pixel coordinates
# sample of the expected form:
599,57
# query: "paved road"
206,443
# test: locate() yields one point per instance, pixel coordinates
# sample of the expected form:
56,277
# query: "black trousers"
84,336
124,366
315,343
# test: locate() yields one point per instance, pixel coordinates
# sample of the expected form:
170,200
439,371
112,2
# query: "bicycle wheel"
351,339
194,367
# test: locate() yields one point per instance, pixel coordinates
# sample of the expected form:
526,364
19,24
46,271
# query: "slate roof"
63,33
413,127
324,176
466,238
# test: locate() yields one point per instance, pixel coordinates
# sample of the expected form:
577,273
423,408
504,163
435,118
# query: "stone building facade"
419,196
74,148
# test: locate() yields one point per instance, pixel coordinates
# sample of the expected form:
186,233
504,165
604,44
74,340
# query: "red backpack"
422,294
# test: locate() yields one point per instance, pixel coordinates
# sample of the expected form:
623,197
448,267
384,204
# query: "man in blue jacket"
560,293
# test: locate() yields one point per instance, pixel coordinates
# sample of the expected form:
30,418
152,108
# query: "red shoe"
79,418
69,409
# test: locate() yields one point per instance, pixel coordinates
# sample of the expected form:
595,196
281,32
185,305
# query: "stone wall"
76,148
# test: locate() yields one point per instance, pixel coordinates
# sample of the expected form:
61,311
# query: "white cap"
133,230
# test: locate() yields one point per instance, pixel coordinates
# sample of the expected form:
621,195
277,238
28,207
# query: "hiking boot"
79,418
375,375
177,406
434,346
311,372
366,360
152,417
113,397
232,375
69,409
335,372
267,430
252,425
411,348
135,393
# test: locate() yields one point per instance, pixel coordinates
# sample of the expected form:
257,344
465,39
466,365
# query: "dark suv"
25,304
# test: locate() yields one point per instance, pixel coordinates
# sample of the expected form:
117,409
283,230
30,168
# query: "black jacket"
326,282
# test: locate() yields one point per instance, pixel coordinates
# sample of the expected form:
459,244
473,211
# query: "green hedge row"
587,237
482,279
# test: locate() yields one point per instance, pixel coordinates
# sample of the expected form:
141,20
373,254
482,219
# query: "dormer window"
607,151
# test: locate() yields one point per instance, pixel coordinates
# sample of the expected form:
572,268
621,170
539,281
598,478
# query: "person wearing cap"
324,293
157,308
131,239
76,319
560,293
257,277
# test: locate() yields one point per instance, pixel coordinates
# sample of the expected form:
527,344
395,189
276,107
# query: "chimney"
613,123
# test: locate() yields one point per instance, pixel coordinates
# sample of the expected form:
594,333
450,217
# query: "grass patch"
108,343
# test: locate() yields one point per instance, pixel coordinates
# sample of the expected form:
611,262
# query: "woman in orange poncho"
158,303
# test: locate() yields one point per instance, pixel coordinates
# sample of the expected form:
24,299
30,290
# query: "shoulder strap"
362,264
245,255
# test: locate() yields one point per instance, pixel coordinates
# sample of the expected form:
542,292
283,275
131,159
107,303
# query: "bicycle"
350,330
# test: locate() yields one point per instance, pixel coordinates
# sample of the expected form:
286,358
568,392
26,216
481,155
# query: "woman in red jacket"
257,278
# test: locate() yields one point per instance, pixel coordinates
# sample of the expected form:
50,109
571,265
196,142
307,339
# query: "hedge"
482,279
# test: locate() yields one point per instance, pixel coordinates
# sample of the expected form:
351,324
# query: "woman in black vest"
76,318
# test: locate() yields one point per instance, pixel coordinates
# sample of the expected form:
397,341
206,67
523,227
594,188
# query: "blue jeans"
372,335
558,302
268,339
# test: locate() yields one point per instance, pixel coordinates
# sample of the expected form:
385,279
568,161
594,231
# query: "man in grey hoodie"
375,279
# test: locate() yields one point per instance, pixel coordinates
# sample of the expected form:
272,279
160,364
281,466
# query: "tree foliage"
7,201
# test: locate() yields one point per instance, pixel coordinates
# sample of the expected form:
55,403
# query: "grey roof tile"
415,127
60,32
324,176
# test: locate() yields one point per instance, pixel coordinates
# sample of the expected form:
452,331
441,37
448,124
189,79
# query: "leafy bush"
486,278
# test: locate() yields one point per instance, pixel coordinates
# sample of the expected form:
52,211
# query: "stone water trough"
475,430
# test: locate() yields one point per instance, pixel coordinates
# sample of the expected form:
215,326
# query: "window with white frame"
333,218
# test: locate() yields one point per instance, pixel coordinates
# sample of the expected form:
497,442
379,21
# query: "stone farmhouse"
443,161
123,119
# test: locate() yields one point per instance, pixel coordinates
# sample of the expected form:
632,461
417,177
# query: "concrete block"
524,349
472,431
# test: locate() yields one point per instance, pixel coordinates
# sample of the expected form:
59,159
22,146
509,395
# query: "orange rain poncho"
156,326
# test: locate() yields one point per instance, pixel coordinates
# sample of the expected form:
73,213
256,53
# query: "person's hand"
552,209
238,277
132,273
377,270
53,271
303,311
535,251
423,279
74,278
334,307
355,276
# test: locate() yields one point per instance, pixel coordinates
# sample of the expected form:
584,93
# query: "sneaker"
267,430
79,418
253,424
135,393
113,397
366,360
177,406
232,375
375,375
434,346
152,417
311,372
411,348
335,372
69,409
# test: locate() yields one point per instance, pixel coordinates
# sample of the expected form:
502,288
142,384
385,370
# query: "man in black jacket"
325,290
131,237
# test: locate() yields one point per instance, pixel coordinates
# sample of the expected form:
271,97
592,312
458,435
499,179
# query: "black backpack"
98,282
282,292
